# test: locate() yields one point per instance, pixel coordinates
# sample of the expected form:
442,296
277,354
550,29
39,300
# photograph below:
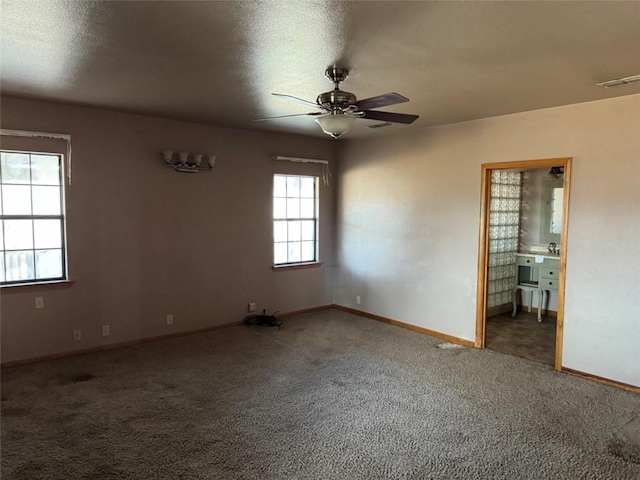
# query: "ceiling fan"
339,109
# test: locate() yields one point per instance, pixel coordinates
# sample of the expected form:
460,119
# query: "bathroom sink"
544,254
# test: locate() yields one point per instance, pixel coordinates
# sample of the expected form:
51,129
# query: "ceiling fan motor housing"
336,99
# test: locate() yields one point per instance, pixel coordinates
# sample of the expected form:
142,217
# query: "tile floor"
523,336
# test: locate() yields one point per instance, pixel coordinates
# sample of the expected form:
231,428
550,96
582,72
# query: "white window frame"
290,219
61,217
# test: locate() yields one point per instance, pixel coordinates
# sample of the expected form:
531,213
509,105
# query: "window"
295,219
31,218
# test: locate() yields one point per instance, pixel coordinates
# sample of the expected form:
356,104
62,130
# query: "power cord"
263,319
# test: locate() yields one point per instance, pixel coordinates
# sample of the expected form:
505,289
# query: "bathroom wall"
530,215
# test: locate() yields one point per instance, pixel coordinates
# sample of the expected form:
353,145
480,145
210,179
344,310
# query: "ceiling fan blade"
298,100
381,101
390,117
285,116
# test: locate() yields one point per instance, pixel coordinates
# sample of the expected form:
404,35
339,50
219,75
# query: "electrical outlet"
252,306
105,330
39,302
358,299
170,319
77,335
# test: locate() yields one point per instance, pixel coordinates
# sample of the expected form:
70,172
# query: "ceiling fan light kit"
339,109
335,124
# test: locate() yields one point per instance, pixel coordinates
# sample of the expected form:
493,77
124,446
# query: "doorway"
503,263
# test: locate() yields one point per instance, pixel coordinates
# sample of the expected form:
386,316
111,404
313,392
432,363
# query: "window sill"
36,287
296,266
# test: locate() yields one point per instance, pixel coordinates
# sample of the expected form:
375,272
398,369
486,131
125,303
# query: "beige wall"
145,241
408,224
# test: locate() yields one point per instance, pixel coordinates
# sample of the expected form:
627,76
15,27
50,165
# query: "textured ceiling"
218,62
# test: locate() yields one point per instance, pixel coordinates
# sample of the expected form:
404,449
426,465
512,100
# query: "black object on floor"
263,319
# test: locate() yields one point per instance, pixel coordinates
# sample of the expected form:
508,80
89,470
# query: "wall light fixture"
184,164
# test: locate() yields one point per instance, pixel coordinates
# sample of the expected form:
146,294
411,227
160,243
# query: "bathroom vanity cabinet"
536,273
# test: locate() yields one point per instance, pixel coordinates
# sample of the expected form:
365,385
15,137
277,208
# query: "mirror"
551,212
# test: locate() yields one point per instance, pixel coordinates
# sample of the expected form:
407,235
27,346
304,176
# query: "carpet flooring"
523,336
330,395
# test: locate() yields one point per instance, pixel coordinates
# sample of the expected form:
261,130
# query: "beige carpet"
328,396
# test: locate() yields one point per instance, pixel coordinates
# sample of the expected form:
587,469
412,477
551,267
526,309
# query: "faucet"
552,248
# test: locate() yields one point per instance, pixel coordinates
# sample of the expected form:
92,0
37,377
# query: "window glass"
46,200
18,234
31,218
295,215
48,263
280,253
15,168
19,265
307,187
293,254
280,231
308,251
308,230
294,231
293,186
16,200
307,208
280,186
47,234
293,207
45,170
279,208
